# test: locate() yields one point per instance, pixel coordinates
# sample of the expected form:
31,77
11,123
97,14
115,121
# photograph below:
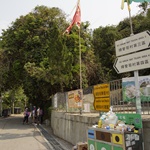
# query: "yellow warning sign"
102,103
101,90
102,97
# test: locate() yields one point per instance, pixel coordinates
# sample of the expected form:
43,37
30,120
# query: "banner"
129,90
75,98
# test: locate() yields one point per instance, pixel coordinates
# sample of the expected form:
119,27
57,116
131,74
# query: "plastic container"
112,119
100,123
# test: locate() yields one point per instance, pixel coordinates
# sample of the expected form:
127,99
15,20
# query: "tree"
104,47
34,49
41,58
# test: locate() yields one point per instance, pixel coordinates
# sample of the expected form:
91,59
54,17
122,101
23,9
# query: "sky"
97,12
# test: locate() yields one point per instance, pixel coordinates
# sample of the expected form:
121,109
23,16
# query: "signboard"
102,97
132,62
101,90
75,98
133,43
102,103
132,119
129,90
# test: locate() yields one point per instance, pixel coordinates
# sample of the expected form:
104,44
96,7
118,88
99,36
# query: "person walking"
26,116
34,114
39,115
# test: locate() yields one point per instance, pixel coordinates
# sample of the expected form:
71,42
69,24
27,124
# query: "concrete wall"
73,127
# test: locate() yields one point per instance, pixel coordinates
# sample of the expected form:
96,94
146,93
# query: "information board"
101,94
75,98
132,119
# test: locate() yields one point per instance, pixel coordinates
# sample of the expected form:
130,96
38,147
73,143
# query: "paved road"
16,136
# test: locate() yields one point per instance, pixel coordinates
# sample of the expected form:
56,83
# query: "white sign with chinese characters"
132,62
133,43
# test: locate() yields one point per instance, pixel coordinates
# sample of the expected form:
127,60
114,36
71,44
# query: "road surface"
16,136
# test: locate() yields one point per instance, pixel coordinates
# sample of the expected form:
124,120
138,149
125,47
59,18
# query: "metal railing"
60,101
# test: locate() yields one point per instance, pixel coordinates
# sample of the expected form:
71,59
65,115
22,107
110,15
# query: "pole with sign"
133,55
142,41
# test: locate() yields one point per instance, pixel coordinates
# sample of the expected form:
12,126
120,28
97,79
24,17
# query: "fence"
60,101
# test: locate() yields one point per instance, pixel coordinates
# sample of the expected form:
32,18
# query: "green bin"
117,148
91,145
101,146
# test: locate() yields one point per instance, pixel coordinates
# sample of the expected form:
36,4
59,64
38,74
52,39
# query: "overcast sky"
97,12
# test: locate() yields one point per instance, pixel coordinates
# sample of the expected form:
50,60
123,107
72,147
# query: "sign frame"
133,43
132,62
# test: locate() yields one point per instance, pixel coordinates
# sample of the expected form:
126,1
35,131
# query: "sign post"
135,60
138,99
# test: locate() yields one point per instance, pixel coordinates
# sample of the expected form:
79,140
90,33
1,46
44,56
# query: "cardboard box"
74,148
82,146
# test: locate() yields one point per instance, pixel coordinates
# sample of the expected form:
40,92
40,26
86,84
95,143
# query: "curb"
50,146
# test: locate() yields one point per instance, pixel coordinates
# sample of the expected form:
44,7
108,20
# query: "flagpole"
77,20
80,61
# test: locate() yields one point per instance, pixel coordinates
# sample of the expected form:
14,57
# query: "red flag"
76,19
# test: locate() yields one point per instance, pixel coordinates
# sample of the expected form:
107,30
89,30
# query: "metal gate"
119,105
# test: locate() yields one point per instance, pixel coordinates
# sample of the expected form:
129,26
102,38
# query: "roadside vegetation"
37,60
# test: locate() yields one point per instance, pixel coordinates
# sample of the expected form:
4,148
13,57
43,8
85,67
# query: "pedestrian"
34,114
39,115
26,116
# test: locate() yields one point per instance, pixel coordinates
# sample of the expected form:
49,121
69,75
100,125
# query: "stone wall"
73,127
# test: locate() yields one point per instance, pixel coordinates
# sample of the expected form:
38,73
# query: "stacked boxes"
82,146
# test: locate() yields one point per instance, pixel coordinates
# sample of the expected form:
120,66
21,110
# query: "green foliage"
33,46
103,41
44,60
35,55
15,95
